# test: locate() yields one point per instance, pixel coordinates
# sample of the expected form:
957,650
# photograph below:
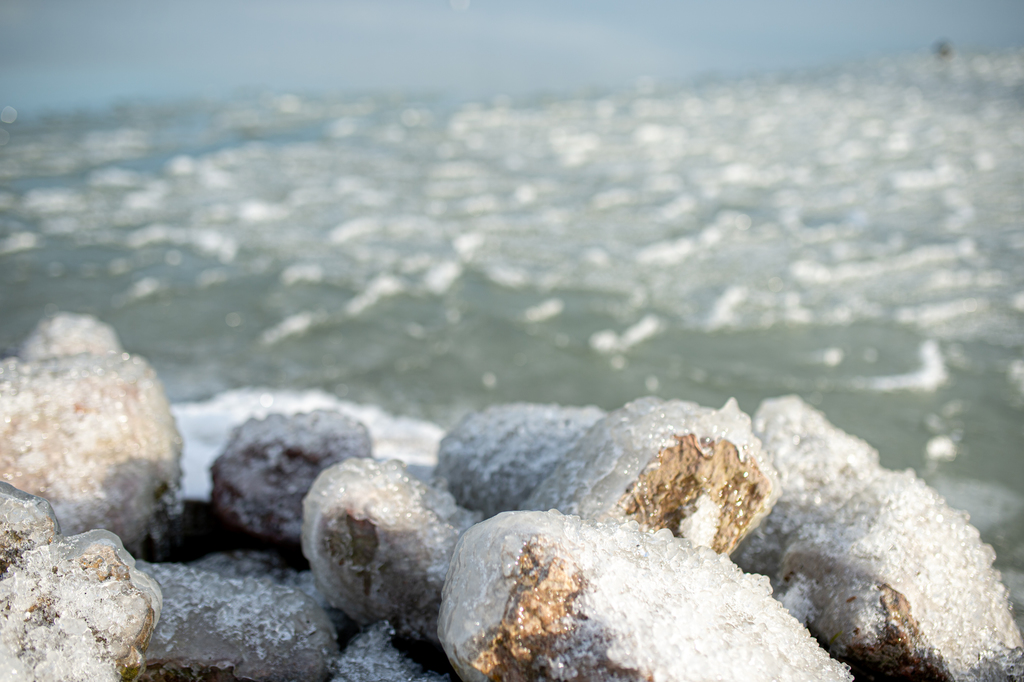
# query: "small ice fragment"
539,595
492,460
268,466
660,463
378,543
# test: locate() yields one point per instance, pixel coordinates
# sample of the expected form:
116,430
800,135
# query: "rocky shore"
663,540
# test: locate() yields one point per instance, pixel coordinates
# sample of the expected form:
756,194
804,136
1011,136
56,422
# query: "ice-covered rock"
93,434
72,609
224,629
372,657
268,466
379,541
696,471
494,459
542,596
269,565
876,564
67,334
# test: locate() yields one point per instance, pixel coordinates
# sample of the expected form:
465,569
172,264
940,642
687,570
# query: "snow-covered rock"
493,459
72,609
542,596
220,628
269,565
93,434
696,471
268,466
874,561
379,541
67,334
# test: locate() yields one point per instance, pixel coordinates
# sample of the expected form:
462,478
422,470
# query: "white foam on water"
928,378
607,341
544,310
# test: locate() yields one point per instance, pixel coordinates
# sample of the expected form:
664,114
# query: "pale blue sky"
72,53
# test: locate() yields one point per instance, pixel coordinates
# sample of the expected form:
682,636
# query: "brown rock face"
667,491
543,624
899,651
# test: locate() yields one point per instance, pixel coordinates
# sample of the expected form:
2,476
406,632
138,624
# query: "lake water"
853,235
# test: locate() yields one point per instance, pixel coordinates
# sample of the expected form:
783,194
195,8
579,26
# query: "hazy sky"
72,53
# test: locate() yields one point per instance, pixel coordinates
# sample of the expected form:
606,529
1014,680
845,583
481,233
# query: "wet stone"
71,608
379,542
67,334
493,459
696,471
224,629
879,568
542,596
268,466
94,435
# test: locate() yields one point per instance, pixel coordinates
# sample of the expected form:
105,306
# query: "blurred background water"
841,224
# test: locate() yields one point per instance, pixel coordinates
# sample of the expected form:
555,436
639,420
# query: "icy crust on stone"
225,629
371,657
67,334
269,565
697,471
378,543
26,521
71,608
268,466
542,596
874,561
93,434
493,459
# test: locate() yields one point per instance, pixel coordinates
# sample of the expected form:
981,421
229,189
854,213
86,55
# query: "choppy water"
854,235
